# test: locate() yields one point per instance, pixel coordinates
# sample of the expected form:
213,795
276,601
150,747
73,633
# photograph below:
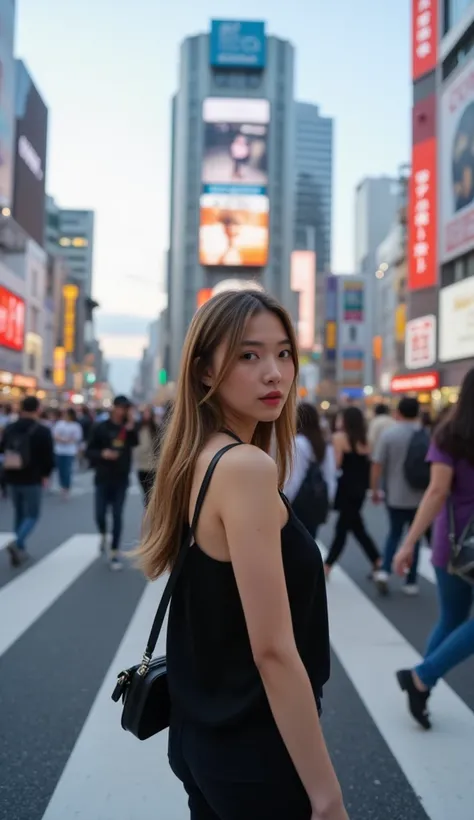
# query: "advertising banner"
30,160
234,206
418,383
70,296
59,366
353,301
303,281
422,257
456,321
420,343
12,320
457,165
237,44
424,36
7,101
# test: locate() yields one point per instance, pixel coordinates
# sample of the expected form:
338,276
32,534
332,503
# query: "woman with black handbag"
449,503
311,485
248,644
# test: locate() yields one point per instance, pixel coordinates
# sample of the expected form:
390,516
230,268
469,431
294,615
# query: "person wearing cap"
110,453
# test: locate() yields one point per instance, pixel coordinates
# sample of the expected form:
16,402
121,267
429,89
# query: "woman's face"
258,384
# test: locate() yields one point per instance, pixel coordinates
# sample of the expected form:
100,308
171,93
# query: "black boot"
417,701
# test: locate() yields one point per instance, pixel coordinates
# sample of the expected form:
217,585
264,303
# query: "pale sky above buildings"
108,68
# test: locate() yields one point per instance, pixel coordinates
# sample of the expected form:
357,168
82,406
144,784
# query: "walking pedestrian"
449,503
67,436
248,644
402,499
27,447
110,453
352,459
145,454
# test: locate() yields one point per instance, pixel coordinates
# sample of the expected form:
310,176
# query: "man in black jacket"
110,453
28,452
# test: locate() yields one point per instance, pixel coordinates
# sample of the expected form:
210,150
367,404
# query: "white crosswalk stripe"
110,775
5,539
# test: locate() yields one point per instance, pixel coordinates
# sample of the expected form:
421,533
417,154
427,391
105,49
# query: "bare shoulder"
248,463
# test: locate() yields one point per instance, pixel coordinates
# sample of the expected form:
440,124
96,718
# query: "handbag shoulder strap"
179,563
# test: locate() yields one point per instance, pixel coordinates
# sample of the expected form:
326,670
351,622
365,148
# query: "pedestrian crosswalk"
65,606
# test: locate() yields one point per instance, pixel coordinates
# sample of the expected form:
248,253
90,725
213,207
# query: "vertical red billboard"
422,257
12,320
424,37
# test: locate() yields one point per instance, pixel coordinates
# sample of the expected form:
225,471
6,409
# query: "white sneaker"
411,589
115,563
381,579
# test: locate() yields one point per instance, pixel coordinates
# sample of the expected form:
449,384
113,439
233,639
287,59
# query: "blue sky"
107,69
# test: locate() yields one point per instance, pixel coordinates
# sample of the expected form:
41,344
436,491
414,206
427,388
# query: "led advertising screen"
237,44
30,160
12,320
234,225
7,100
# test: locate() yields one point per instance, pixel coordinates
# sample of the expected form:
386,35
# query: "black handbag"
144,687
462,549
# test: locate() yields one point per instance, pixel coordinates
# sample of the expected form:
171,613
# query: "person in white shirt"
381,421
311,447
67,435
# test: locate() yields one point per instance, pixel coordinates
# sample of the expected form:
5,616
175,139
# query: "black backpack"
416,469
18,448
311,504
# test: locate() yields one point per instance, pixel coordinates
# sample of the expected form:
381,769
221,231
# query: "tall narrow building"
314,181
232,175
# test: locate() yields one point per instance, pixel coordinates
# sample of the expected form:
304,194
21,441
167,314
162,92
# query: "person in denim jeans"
27,446
452,477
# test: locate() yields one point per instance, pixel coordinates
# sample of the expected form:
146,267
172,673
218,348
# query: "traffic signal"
162,376
90,378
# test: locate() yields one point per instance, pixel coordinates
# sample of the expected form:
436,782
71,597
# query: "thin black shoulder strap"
183,551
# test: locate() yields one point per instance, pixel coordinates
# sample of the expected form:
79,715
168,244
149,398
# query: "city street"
68,625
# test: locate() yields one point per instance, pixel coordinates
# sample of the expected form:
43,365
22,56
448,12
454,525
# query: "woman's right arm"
250,509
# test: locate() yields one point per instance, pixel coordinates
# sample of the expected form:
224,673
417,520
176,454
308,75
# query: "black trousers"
146,479
350,520
110,496
237,774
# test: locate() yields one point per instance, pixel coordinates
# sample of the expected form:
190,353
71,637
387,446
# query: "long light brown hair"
197,415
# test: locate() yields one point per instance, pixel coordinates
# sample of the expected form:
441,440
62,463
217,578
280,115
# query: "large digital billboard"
233,230
237,44
7,100
234,224
12,320
30,161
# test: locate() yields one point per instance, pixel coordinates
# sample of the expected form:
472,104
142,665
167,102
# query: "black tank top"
213,680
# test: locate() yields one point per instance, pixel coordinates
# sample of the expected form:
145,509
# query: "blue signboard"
237,44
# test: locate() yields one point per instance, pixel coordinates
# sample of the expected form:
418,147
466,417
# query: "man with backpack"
399,459
28,461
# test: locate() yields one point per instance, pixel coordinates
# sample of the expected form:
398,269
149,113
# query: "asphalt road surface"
68,625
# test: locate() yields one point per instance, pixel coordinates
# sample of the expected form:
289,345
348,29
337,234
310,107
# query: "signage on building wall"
456,321
422,263
59,365
457,165
424,36
12,320
237,44
7,101
415,384
353,301
70,294
303,281
420,343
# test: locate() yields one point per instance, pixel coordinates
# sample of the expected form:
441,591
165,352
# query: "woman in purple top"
452,474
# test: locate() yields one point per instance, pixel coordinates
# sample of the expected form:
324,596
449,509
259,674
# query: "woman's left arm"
432,503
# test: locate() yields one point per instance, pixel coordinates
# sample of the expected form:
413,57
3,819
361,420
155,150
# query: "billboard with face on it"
237,44
30,160
7,101
234,206
457,165
233,230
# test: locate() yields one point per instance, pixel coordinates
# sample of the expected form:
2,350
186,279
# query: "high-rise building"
376,204
314,177
232,174
76,243
31,142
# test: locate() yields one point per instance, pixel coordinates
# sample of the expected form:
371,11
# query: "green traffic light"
163,376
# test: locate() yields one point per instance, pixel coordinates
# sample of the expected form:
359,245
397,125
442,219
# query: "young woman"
310,447
352,459
67,436
145,452
247,647
452,481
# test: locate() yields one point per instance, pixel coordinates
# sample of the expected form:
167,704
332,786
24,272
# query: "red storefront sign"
420,342
12,320
424,36
422,257
415,384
